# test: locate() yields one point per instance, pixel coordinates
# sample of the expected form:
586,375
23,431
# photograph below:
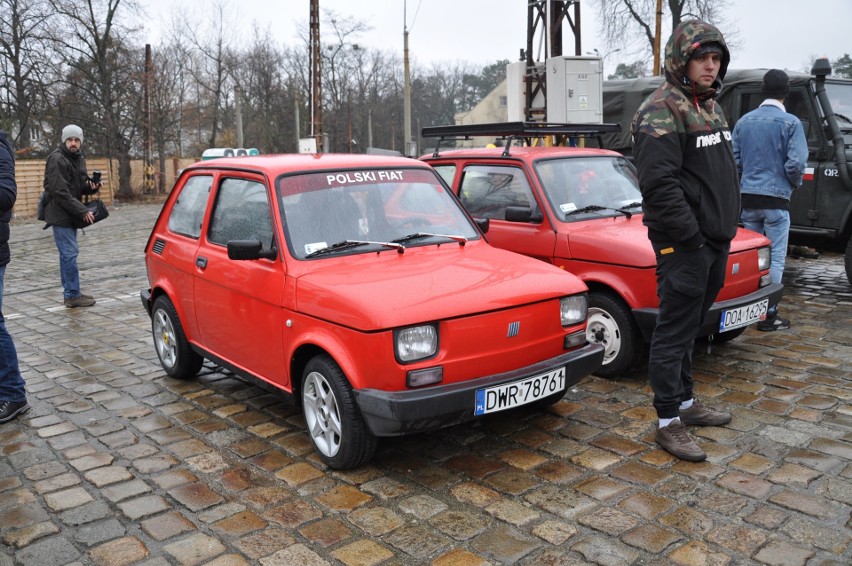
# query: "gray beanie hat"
72,131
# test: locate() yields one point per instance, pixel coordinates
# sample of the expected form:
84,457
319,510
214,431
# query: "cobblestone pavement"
118,464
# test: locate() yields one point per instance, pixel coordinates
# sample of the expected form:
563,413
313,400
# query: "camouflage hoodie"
682,148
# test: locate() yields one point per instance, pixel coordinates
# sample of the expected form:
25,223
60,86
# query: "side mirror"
523,214
483,224
250,249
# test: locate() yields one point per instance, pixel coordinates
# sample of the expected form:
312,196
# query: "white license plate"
517,393
735,318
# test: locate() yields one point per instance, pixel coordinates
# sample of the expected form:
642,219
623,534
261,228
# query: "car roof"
521,152
274,165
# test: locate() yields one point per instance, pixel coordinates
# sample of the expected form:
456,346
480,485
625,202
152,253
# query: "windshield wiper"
417,235
842,117
349,244
597,207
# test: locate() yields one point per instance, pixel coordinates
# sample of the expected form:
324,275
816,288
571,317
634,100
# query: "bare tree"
213,62
103,75
24,78
630,25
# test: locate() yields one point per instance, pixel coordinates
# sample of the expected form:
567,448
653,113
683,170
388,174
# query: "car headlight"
573,309
764,257
416,343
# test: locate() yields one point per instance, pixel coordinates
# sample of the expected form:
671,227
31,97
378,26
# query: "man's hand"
89,218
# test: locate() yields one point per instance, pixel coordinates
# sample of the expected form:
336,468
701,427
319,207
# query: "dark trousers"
687,285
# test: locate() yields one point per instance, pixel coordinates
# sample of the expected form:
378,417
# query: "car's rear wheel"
611,324
176,355
334,423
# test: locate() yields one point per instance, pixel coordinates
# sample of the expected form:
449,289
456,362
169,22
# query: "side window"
241,213
188,211
447,172
486,190
795,104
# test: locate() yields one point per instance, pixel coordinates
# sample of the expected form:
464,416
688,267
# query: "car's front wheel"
611,324
334,423
176,355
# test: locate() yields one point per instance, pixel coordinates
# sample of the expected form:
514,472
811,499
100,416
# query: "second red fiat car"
581,209
362,287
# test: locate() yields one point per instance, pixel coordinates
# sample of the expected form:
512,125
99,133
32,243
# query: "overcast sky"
772,33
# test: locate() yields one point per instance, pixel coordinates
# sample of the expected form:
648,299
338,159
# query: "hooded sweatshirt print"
682,147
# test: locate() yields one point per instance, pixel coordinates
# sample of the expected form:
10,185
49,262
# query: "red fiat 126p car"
581,209
361,286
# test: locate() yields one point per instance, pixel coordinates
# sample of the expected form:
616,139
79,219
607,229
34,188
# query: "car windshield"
357,211
582,187
840,97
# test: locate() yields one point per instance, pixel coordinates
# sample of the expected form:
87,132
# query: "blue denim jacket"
771,151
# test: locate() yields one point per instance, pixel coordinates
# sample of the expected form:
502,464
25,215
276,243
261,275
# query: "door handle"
201,262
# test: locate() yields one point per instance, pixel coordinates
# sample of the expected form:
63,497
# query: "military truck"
821,209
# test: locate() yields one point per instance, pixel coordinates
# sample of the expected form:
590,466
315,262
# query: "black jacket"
682,148
65,183
8,194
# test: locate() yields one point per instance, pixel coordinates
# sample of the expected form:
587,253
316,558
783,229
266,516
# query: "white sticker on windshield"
568,207
316,246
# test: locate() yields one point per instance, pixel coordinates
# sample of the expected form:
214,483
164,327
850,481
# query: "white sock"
666,422
686,404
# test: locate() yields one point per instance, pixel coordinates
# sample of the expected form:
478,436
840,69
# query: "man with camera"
66,182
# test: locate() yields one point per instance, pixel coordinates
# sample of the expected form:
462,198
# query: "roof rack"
517,130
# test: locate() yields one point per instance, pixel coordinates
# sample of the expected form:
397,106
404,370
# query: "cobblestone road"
118,464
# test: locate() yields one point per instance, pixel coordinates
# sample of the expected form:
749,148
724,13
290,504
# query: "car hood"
624,241
372,291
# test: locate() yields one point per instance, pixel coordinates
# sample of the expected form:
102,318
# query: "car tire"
176,355
610,323
334,423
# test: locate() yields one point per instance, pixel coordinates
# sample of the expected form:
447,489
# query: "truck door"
803,202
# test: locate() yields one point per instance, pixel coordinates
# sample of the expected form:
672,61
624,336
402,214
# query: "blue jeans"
774,223
66,243
11,382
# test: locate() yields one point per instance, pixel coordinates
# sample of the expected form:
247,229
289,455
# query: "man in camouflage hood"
691,203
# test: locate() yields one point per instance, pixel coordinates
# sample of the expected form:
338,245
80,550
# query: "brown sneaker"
81,301
700,414
677,442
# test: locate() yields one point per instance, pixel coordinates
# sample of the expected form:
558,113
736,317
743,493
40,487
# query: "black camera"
96,177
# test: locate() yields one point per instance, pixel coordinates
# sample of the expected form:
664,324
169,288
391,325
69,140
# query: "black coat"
65,183
8,194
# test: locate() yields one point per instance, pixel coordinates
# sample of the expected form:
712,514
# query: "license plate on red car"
741,316
517,393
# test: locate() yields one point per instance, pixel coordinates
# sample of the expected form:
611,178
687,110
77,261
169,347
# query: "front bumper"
392,413
145,295
647,318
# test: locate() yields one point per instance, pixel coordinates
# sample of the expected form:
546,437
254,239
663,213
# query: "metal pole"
149,137
659,25
316,84
407,93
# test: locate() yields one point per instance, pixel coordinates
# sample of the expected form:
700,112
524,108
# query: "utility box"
516,92
575,90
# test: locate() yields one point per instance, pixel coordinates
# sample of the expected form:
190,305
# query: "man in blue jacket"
691,205
771,153
13,396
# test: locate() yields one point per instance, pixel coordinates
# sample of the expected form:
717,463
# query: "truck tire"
848,260
611,324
